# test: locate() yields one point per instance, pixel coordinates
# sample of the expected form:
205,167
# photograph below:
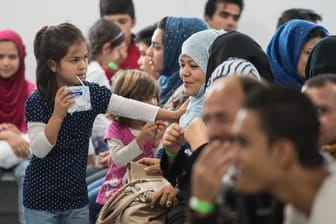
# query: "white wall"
258,20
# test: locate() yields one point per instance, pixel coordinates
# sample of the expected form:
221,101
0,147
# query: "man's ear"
283,153
52,65
207,19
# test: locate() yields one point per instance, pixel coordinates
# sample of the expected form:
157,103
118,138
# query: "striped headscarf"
233,67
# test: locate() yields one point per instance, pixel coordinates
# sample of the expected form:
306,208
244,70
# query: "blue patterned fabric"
285,48
177,30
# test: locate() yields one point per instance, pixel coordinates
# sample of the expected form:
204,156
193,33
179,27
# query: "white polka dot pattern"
57,181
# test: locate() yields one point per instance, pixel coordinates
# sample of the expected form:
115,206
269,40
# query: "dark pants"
94,207
178,214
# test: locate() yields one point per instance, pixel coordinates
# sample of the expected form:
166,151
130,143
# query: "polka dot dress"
57,181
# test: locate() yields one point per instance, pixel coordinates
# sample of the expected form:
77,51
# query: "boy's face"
226,17
125,23
254,159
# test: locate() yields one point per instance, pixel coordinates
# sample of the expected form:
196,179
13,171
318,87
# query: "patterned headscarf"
234,66
285,48
177,30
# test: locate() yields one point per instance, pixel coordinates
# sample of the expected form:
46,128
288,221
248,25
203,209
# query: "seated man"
299,13
220,109
321,90
276,149
216,202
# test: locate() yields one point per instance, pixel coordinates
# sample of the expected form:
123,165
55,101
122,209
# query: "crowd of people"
241,134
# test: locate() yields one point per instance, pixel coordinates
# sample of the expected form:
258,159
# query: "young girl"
129,139
55,190
14,91
106,46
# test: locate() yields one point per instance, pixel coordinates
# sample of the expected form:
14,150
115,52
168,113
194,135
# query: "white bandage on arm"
124,107
39,143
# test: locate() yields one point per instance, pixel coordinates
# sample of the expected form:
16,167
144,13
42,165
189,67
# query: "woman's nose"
149,51
185,71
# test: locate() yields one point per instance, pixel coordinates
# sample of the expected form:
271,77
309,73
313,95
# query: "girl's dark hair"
134,84
104,31
145,35
52,43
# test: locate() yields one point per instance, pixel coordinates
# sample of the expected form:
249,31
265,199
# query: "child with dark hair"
128,139
55,190
106,47
122,13
105,43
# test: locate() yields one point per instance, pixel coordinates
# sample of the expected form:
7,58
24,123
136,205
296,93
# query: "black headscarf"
322,59
238,45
